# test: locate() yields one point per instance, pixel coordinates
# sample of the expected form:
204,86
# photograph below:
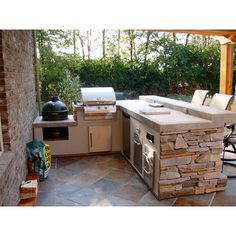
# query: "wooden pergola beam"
229,34
226,68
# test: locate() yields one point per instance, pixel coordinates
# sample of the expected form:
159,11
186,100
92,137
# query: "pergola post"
226,67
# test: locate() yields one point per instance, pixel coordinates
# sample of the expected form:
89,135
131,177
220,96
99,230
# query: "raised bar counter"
183,115
200,111
188,144
174,121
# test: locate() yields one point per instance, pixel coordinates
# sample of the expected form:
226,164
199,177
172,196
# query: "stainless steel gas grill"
98,103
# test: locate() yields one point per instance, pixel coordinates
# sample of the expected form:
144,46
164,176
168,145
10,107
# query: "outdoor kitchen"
108,149
94,126
117,118
174,146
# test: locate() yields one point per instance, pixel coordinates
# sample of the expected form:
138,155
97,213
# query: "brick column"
18,109
3,101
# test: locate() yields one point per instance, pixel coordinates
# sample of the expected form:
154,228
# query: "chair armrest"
231,125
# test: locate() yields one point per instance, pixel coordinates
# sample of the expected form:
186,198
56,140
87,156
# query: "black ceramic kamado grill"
54,110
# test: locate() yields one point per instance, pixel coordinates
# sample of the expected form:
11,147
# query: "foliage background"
140,62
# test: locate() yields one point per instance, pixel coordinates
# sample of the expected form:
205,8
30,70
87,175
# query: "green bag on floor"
39,158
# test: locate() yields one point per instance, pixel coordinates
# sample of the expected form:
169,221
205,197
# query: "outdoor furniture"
221,101
199,96
230,140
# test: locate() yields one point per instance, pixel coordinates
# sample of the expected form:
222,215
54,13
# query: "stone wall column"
18,109
3,101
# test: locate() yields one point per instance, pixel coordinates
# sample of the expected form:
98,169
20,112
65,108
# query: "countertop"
182,115
179,118
201,111
39,123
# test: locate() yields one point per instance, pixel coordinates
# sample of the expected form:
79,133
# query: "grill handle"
148,172
148,161
91,140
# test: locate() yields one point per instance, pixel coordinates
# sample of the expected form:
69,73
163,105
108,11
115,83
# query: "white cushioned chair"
224,102
199,96
230,141
221,101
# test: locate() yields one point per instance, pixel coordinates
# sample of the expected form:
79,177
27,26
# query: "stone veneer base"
190,163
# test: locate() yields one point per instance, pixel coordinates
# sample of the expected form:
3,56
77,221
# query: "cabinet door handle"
91,140
138,143
148,172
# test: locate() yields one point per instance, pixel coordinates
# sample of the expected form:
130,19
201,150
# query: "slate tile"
195,200
182,201
224,199
86,197
64,175
46,199
119,176
130,192
105,186
115,201
47,185
149,199
65,202
66,189
84,179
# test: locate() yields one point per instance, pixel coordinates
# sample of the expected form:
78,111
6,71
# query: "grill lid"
55,105
98,95
54,110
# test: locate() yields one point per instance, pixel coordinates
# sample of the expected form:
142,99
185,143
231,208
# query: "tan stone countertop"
39,123
177,120
201,111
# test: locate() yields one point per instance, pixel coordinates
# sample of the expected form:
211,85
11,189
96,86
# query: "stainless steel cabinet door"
100,138
126,136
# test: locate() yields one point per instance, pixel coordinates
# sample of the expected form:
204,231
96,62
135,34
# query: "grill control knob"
137,129
99,108
106,108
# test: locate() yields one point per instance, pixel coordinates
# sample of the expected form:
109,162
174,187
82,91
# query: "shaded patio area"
108,180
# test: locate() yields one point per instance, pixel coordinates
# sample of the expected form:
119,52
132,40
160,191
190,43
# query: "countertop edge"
208,124
39,123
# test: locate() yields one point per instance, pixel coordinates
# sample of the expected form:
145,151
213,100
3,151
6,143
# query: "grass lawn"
181,97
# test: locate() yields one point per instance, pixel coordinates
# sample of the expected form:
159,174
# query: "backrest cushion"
221,101
199,96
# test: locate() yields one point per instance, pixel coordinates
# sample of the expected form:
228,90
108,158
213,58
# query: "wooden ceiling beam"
230,34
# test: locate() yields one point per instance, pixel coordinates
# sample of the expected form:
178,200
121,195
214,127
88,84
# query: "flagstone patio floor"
109,180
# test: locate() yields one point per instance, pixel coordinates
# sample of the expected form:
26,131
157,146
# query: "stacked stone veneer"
190,163
17,107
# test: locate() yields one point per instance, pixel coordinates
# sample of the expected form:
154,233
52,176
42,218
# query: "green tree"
141,61
58,71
